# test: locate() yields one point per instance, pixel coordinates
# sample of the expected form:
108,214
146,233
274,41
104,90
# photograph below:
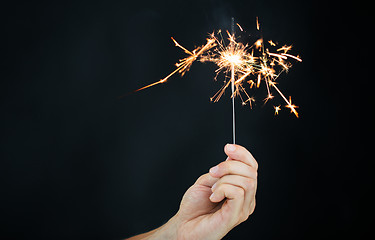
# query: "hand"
216,203
220,199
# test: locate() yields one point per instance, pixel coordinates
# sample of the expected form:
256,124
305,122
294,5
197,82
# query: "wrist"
167,231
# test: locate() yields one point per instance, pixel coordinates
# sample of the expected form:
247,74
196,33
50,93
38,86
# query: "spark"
277,55
271,43
258,44
277,109
239,26
285,48
292,107
184,64
240,63
295,57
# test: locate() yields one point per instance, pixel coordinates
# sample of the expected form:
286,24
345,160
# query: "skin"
217,202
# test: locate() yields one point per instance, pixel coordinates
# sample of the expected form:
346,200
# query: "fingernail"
212,196
231,147
213,187
214,169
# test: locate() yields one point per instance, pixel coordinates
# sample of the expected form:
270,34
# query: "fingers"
232,209
247,184
237,182
233,168
239,153
206,180
228,191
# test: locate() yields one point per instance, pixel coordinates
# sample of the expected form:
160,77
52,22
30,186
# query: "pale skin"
217,202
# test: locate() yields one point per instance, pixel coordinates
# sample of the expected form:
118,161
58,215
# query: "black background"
77,162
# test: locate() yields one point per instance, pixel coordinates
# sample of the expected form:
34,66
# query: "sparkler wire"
232,80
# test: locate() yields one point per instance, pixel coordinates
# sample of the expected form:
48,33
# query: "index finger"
239,153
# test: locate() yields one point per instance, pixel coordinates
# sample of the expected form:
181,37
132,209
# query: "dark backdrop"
77,162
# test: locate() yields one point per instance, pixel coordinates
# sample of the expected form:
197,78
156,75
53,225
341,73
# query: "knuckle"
252,184
225,166
242,217
252,207
256,164
256,174
248,184
219,188
245,217
239,192
201,178
253,173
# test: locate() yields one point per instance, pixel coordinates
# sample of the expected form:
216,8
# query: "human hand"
216,203
220,199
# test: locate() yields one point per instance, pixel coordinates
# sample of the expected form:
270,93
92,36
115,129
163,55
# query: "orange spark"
259,43
277,109
271,43
285,48
295,57
238,62
184,64
239,26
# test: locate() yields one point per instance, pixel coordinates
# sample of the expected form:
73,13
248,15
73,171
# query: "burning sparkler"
252,64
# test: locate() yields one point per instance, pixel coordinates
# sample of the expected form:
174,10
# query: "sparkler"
232,86
253,64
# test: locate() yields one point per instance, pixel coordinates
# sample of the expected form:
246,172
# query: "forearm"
167,231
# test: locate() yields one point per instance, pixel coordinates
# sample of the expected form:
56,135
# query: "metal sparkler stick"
232,85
